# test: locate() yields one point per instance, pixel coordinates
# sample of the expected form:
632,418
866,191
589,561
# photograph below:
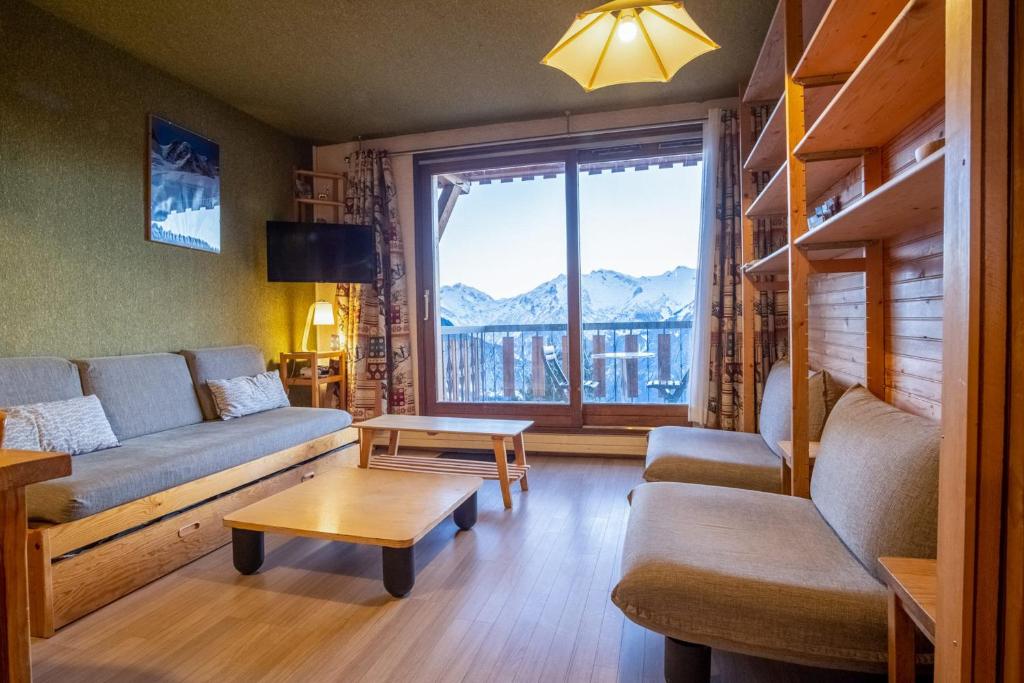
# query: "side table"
18,469
290,373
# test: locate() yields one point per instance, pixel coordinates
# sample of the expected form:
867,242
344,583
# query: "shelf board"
899,80
766,82
770,148
774,263
821,175
319,174
906,201
321,202
847,32
773,199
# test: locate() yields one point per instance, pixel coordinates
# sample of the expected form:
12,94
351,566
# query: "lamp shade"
629,41
323,313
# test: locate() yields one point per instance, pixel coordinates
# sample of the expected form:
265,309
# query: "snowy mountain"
607,296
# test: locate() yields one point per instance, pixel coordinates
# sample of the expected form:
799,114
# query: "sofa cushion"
74,426
749,572
37,380
876,477
156,462
241,396
775,421
711,456
142,394
223,362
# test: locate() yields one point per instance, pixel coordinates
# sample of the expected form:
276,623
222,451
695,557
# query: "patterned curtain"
375,317
725,359
771,333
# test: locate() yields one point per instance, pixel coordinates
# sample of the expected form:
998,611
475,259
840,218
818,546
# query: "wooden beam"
455,188
976,241
748,291
874,289
799,267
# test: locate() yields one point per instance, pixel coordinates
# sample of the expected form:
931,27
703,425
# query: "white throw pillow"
75,426
247,395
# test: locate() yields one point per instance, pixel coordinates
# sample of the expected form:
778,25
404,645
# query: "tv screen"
319,252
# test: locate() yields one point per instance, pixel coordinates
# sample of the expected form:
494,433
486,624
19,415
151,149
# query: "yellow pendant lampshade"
629,41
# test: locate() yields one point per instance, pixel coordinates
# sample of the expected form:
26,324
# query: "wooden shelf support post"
799,268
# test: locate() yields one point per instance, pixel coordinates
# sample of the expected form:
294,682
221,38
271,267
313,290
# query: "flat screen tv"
319,252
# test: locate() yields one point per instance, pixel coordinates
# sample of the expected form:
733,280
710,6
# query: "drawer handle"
307,476
188,529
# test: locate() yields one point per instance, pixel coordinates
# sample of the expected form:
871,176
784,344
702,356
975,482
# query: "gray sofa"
742,460
781,577
175,453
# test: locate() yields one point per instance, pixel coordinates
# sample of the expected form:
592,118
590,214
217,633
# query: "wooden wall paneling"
799,270
1012,593
748,293
975,326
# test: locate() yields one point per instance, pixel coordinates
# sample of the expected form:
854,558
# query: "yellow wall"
77,277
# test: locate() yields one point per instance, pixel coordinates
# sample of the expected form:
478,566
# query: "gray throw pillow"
75,426
247,395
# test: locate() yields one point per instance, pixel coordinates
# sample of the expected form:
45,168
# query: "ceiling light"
653,40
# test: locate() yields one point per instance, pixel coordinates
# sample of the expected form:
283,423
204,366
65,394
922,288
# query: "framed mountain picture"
183,188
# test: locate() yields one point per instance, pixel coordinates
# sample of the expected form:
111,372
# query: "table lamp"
320,313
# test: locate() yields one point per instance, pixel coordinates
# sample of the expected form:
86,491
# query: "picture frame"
182,187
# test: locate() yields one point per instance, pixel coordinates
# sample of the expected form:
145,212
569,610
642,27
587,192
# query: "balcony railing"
623,362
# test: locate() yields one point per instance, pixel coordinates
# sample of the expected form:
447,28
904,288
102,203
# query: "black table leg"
465,514
247,550
399,570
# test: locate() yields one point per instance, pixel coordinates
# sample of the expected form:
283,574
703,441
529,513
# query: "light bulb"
627,29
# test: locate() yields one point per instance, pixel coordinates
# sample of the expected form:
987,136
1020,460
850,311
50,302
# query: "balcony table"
623,356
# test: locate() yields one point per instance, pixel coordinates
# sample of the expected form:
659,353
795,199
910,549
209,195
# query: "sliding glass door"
529,261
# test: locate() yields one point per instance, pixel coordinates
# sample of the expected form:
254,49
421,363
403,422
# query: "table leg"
501,458
365,447
393,442
314,386
399,565
902,659
786,479
15,656
247,550
465,514
520,446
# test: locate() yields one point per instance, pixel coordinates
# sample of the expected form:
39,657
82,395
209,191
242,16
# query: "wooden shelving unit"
330,184
770,149
847,32
905,202
820,176
899,80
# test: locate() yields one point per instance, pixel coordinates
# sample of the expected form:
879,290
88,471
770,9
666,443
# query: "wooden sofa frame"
77,567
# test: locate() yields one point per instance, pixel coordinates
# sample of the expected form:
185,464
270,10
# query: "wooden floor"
523,596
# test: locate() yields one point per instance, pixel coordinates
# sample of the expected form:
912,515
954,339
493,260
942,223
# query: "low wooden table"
392,510
913,591
498,430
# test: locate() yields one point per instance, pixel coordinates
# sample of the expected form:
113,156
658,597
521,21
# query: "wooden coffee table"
392,510
498,430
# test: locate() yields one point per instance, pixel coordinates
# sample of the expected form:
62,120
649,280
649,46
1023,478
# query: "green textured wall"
77,277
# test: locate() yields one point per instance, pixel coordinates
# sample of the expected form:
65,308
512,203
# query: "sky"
506,238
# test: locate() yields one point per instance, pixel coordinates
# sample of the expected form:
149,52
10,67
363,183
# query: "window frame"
575,414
